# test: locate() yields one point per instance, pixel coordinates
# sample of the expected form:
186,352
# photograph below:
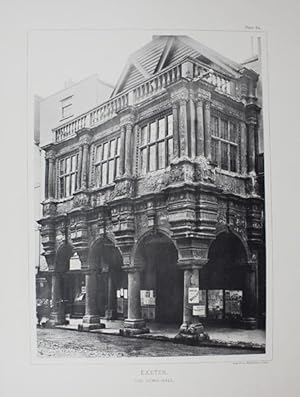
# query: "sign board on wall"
193,295
199,310
233,303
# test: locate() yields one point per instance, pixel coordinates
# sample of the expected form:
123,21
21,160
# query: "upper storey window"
224,143
68,170
156,144
66,107
107,162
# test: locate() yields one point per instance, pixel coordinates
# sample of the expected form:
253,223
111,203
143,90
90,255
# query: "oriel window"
68,170
156,144
107,162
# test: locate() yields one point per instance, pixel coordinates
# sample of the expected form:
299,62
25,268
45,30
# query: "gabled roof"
164,51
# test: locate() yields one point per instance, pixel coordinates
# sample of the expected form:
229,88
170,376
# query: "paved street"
72,344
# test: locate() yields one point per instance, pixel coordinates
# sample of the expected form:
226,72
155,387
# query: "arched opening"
72,282
161,280
111,280
223,278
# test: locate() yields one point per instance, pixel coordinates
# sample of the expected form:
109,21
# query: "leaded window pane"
144,160
152,158
152,132
233,132
224,156
161,128
104,174
233,158
214,125
68,185
170,124
170,150
68,165
73,183
112,148
118,146
105,151
74,163
117,166
98,154
161,155
144,135
224,129
111,171
214,150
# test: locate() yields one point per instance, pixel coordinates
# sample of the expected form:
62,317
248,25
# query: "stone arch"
148,235
225,229
62,257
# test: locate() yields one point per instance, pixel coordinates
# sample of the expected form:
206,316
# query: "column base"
57,319
192,333
134,327
110,314
248,323
90,322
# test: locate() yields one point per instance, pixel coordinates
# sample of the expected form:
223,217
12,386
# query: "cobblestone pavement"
71,344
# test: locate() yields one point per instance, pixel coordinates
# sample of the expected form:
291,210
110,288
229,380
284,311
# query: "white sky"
56,56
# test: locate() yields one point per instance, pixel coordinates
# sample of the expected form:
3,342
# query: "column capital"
84,140
50,154
207,104
128,119
203,95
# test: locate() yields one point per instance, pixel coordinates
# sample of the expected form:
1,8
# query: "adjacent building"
153,208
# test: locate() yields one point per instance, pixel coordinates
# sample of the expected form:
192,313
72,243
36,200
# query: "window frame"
67,174
99,163
159,140
66,105
221,138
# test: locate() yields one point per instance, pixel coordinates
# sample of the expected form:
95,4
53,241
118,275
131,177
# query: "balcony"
149,88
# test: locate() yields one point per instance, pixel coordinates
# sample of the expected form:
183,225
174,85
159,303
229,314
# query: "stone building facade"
154,194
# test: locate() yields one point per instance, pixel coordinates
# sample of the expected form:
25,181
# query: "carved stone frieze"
81,200
204,172
181,171
123,187
49,208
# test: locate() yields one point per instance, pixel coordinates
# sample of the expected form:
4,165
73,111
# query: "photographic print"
149,193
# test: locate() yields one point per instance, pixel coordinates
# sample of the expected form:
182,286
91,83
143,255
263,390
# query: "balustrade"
147,89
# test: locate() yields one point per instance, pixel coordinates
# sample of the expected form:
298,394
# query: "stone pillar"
207,130
50,174
176,142
84,172
183,136
111,298
46,192
79,167
192,114
243,148
128,152
249,320
57,316
191,280
134,324
200,128
91,319
122,151
251,147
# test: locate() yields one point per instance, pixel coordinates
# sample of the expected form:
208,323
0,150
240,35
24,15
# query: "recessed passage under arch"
111,280
161,280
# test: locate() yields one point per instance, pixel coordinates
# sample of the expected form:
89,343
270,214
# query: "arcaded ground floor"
58,343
